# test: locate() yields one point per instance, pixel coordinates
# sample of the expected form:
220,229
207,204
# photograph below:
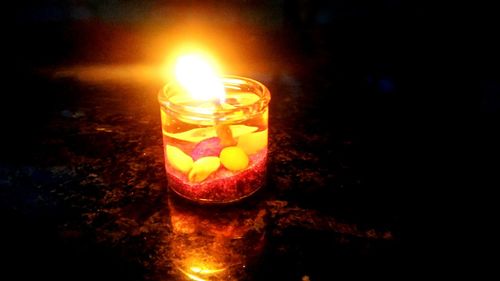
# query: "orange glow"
202,270
140,74
199,76
192,276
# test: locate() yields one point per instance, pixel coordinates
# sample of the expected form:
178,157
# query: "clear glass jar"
216,152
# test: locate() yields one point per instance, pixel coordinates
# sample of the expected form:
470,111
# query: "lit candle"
215,131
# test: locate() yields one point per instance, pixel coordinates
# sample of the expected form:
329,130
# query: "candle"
215,131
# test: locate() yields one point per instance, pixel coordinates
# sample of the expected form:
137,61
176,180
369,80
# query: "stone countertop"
84,194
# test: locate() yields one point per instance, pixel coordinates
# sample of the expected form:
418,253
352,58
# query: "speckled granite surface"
84,195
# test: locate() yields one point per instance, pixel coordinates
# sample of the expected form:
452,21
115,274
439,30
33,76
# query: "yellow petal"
234,158
180,99
194,135
163,117
239,130
252,143
227,106
200,134
178,159
203,167
245,99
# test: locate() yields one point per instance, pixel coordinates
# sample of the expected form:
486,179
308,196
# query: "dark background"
360,52
411,53
393,76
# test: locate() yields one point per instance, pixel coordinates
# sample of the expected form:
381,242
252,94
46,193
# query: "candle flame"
199,77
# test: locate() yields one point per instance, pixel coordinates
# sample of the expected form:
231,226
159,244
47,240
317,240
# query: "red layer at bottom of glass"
223,186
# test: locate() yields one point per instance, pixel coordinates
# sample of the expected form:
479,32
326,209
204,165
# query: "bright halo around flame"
198,76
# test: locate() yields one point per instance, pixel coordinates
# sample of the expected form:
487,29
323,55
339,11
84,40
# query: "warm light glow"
200,270
140,74
197,268
197,271
194,277
199,77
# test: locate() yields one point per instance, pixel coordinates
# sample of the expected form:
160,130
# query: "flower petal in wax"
200,134
208,147
242,99
178,159
253,142
234,158
203,167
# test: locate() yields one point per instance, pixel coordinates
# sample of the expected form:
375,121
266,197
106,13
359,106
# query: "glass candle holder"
216,151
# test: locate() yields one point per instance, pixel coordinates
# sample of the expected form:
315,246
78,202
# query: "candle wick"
223,130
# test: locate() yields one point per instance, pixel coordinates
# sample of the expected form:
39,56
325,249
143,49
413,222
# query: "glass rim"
252,109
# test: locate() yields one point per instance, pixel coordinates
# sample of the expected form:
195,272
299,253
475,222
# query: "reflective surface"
215,243
89,201
83,192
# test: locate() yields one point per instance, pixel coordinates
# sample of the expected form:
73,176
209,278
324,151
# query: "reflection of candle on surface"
214,133
218,245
